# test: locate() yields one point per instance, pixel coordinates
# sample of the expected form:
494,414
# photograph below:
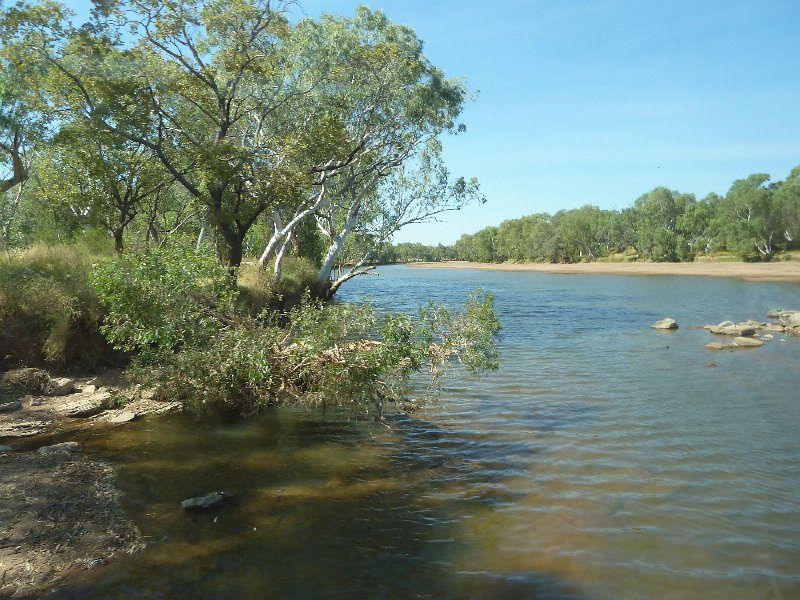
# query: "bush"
48,313
163,300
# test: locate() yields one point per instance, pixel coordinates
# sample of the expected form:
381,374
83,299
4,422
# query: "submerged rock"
211,500
720,346
62,448
665,324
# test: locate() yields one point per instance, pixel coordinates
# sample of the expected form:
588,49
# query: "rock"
720,346
711,365
10,406
4,449
733,330
59,387
772,327
747,342
667,323
62,448
774,313
790,319
768,337
17,429
124,416
784,340
87,406
89,389
211,500
750,323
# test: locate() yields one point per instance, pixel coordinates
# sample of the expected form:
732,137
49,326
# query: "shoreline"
786,272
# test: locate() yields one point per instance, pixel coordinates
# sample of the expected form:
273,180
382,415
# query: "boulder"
767,337
747,342
122,416
18,429
87,406
60,386
212,500
772,327
4,449
791,320
89,389
665,324
10,406
733,330
62,448
774,313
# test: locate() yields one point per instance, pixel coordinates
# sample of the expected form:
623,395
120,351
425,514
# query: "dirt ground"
59,510
776,271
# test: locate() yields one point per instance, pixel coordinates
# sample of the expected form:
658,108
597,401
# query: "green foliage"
327,355
48,312
163,300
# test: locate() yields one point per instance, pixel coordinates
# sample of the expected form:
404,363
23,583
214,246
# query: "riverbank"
788,271
59,509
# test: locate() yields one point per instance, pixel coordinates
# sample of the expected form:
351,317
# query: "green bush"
163,300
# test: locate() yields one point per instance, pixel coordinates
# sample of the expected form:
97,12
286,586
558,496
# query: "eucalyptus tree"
381,107
756,218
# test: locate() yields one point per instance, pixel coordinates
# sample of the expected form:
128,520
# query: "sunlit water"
603,460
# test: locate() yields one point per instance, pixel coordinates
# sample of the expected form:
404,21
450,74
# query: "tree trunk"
118,240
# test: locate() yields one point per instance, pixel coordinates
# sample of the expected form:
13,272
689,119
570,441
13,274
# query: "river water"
602,460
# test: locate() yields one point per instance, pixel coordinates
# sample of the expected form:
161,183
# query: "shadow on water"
324,507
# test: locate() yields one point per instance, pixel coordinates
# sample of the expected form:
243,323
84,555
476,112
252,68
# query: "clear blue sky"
599,101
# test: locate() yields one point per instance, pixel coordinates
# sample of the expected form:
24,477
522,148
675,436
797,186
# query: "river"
602,460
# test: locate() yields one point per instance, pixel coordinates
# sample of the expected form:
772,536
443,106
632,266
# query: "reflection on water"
604,460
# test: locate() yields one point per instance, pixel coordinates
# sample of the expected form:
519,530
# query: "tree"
102,177
754,219
381,106
199,84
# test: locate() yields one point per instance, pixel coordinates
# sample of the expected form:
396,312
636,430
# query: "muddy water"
603,460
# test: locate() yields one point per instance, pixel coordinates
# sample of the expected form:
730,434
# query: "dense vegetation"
146,153
755,220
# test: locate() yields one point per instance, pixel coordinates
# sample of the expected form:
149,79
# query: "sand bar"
788,271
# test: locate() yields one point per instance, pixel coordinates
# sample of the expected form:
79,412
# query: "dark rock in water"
665,324
211,500
711,365
6,449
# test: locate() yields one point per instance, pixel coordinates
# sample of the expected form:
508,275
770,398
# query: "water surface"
603,460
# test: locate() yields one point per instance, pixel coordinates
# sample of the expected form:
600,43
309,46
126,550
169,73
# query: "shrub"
48,312
163,300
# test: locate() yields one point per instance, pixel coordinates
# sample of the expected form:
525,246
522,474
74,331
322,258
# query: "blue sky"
599,101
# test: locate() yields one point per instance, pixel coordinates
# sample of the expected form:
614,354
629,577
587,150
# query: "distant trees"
754,219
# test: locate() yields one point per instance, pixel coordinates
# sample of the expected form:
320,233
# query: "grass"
48,313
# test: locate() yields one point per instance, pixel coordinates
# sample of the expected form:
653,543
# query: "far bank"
788,271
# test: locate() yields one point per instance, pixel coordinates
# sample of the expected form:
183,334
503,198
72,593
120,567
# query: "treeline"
754,220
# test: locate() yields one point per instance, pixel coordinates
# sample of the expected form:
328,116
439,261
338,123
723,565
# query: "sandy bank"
778,271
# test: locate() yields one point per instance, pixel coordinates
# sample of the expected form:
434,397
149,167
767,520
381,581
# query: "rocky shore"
59,509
